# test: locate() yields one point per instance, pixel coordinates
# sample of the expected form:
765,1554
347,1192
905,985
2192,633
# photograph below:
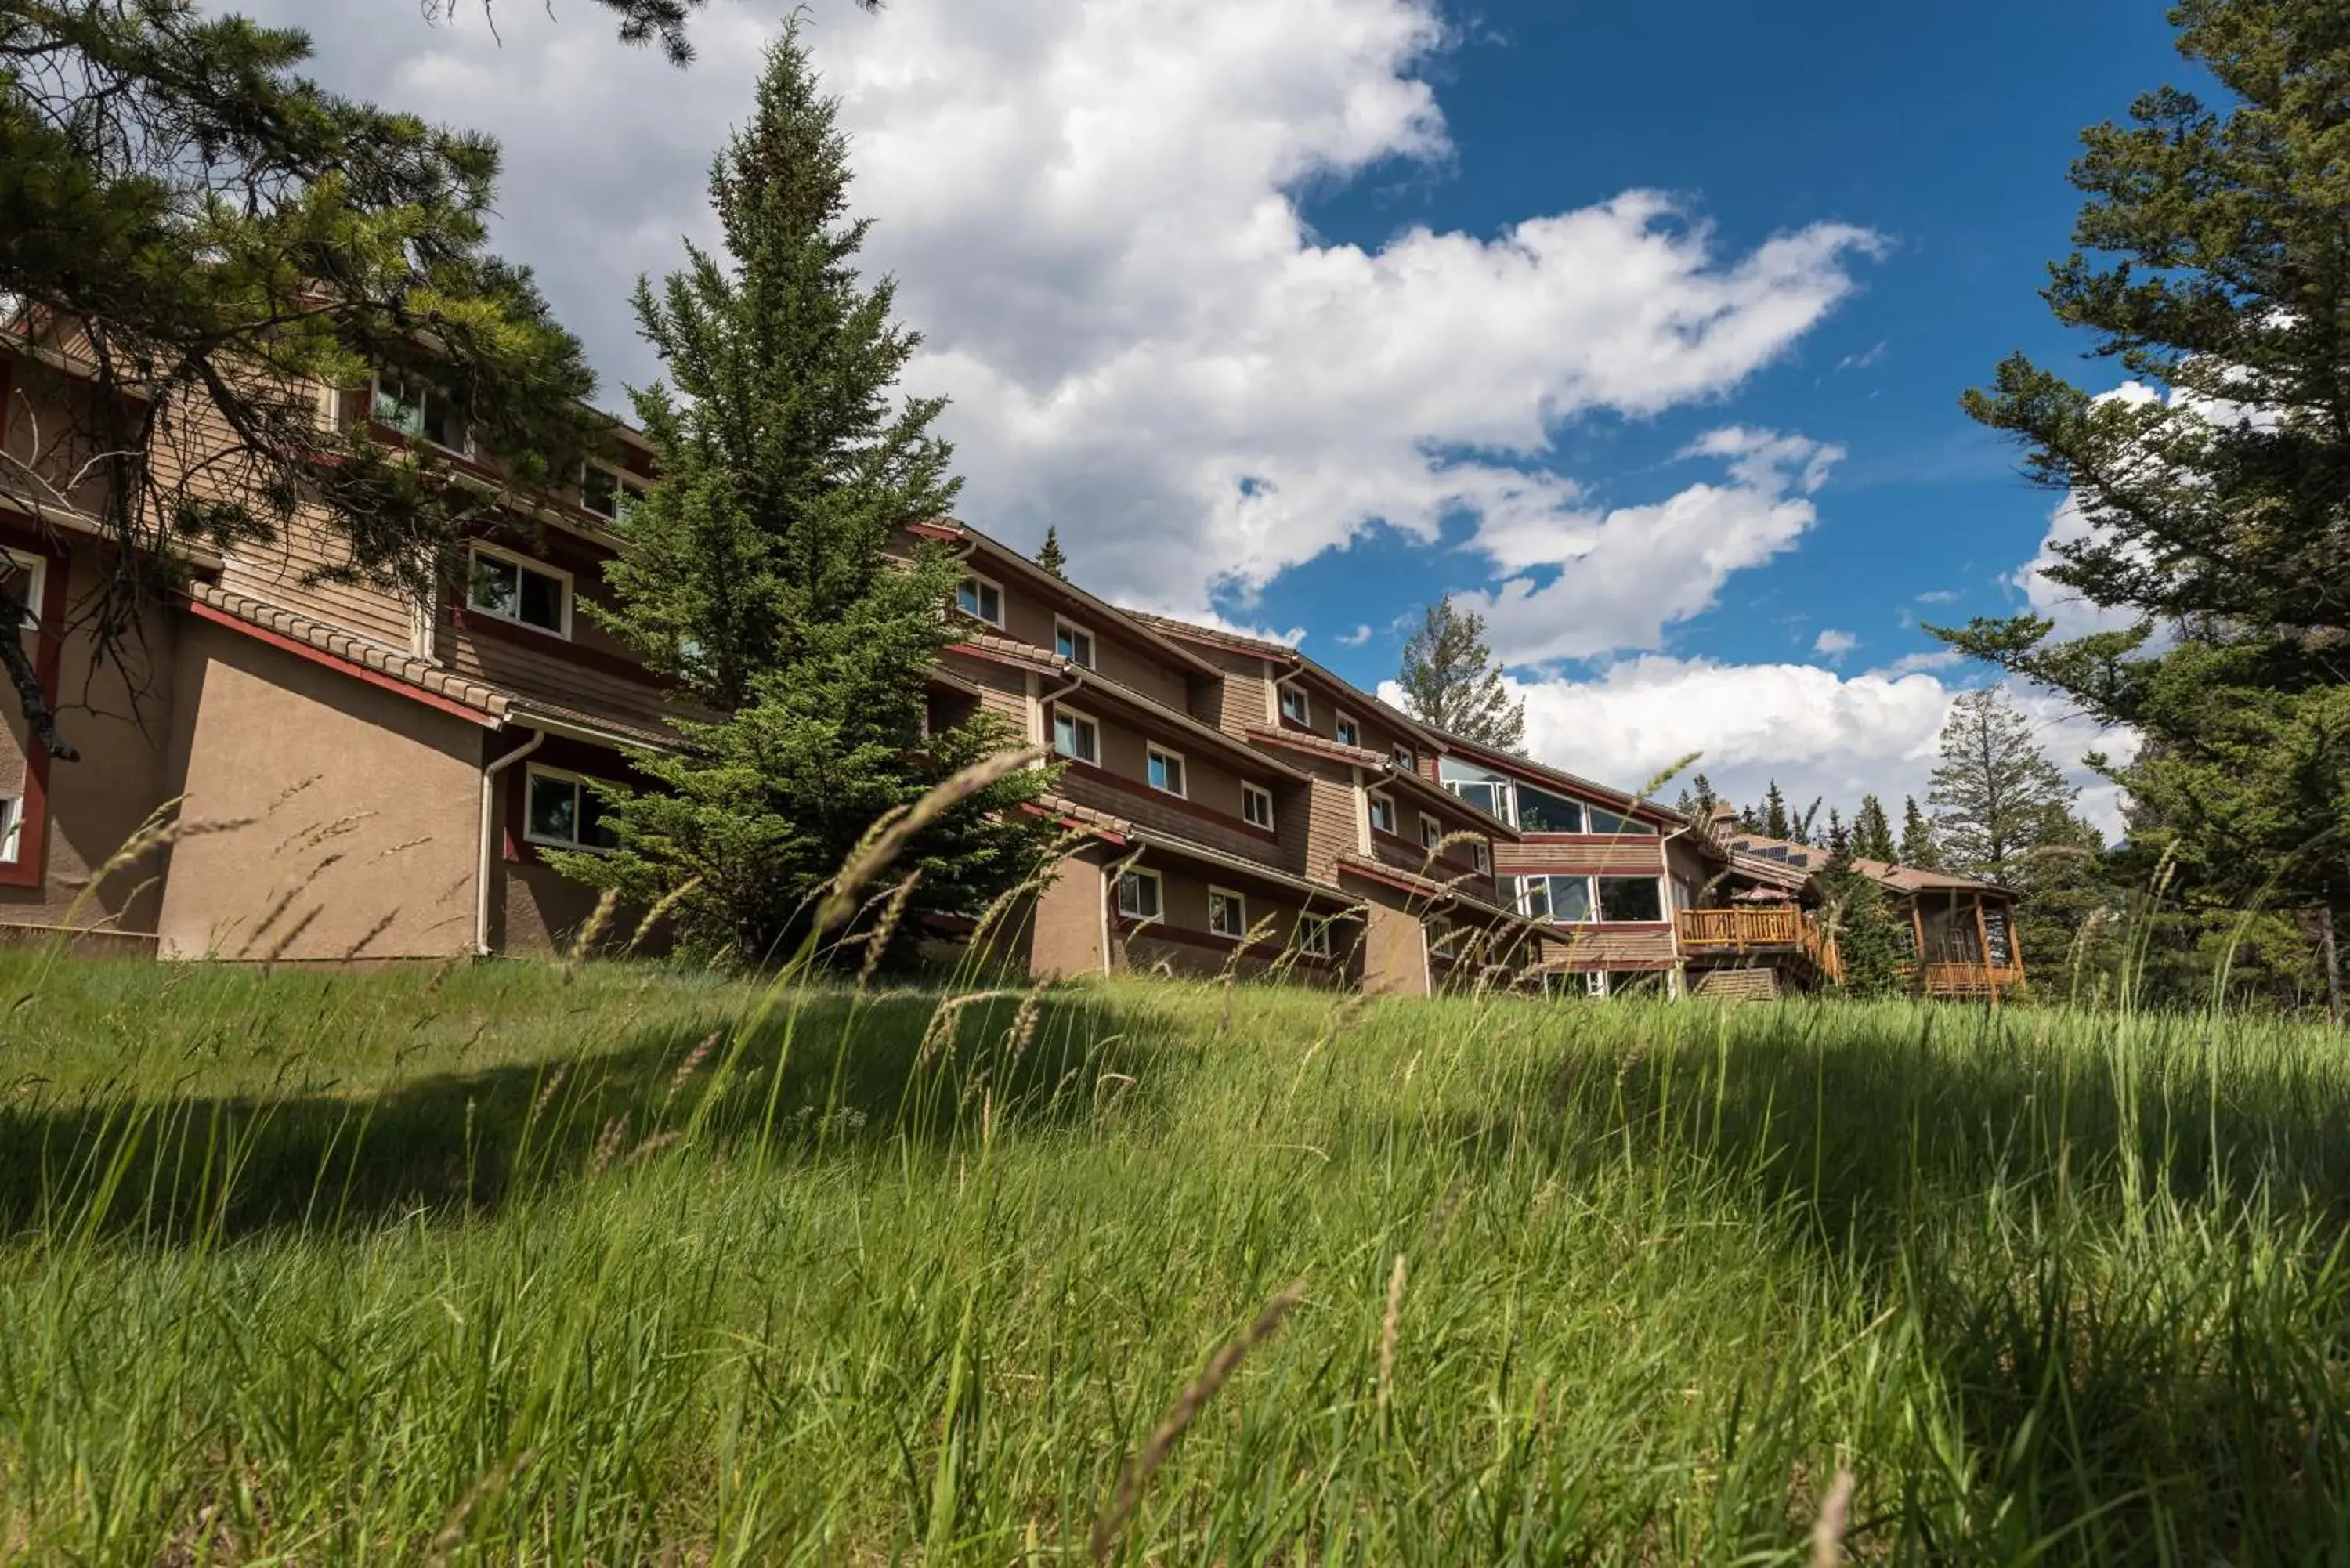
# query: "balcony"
1720,935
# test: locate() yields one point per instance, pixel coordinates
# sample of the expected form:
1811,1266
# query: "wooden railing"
1962,979
1779,927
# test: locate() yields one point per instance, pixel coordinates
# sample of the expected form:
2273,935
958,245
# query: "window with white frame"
1074,643
12,827
1348,732
1431,832
1139,895
607,492
1227,912
1257,806
1165,770
1486,790
1631,899
562,812
980,599
414,409
1611,821
1383,813
1314,936
1295,707
1562,901
1076,736
1404,757
1479,858
25,576
508,587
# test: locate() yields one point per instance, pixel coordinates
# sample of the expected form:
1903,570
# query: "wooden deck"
1715,937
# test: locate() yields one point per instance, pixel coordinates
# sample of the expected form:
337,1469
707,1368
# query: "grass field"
493,1265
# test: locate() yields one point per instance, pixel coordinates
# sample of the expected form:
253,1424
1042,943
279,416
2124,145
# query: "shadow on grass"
2123,1256
828,1076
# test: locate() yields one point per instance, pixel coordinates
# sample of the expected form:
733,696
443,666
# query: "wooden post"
2332,965
1982,951
1917,939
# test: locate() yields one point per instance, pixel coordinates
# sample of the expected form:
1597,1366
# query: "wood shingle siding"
1581,854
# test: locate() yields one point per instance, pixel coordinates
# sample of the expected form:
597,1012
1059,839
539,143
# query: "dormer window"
1295,707
421,413
511,588
981,600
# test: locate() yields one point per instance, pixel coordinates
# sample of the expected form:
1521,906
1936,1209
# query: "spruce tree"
1450,680
1872,832
1918,846
1871,944
759,573
1996,796
1773,815
1052,558
2210,267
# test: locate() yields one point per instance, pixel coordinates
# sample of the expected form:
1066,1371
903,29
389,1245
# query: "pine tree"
1450,680
758,573
1773,815
1839,840
1872,832
2209,264
1917,845
1996,796
1052,558
216,237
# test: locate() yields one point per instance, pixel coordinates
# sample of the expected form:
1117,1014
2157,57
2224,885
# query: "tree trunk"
2332,964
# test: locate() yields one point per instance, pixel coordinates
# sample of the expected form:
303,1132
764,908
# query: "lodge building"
362,778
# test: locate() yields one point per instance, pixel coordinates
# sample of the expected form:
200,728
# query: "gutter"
490,773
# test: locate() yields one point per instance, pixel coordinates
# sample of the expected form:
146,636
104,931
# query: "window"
1257,806
1294,706
563,812
609,494
1595,983
1404,758
1347,732
980,599
1138,895
1631,899
1486,796
414,409
1314,936
1563,900
1165,770
1539,811
1609,821
509,587
1431,832
1383,814
1478,857
1074,643
1227,912
25,577
12,827
1076,736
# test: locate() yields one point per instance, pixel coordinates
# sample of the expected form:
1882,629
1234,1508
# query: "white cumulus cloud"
1832,644
1093,210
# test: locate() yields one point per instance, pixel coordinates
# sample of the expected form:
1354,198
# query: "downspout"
490,773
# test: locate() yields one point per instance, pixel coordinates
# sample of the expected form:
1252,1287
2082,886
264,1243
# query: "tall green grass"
495,1264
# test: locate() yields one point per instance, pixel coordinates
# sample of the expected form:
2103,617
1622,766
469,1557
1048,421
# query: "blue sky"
1642,326
1948,129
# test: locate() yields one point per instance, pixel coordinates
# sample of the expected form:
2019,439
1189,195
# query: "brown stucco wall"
1068,934
118,714
359,812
